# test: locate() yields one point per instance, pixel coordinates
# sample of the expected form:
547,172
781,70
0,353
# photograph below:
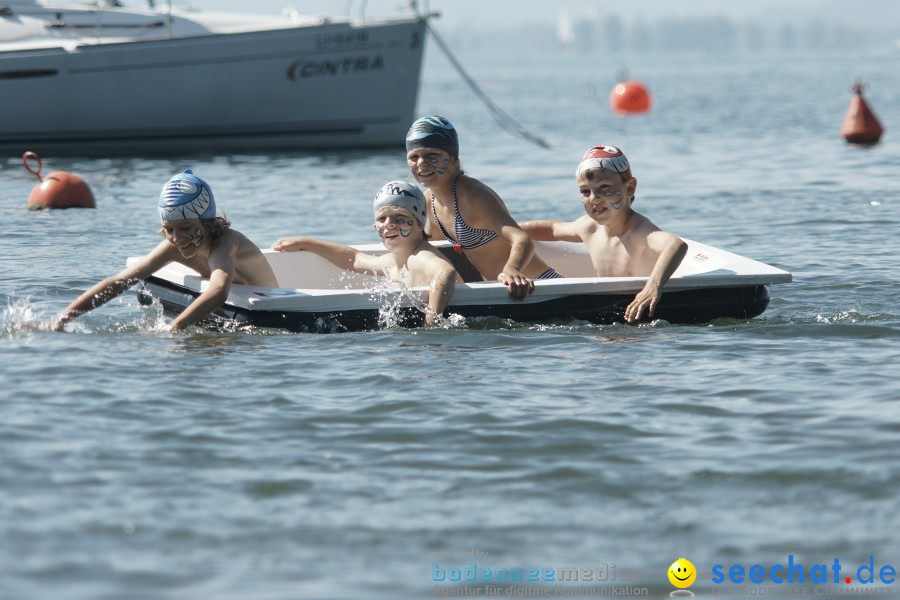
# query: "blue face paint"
404,232
197,233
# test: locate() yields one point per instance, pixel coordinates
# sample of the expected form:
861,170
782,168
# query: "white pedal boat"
317,296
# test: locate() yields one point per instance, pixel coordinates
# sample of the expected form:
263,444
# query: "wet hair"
589,174
217,226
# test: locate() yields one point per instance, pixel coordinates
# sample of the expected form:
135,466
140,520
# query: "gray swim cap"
404,195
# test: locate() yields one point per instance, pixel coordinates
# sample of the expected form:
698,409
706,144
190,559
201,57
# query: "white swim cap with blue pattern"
185,197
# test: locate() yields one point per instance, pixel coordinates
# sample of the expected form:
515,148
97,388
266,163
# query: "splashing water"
21,316
153,318
847,316
396,299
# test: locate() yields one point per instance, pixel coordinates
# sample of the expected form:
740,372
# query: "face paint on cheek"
442,170
616,205
198,233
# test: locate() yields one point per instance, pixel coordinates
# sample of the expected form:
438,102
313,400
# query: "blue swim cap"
186,196
433,132
404,195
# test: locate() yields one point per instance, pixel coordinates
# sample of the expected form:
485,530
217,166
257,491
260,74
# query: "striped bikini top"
466,237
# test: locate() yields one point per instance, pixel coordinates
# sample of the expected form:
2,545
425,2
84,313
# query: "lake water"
274,465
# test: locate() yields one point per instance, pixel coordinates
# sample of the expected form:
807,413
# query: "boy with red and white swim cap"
622,242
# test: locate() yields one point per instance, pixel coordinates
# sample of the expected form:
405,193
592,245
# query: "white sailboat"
102,79
565,33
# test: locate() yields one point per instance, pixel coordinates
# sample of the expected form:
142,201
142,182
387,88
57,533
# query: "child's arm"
549,231
671,252
489,212
104,291
440,292
521,251
222,259
345,257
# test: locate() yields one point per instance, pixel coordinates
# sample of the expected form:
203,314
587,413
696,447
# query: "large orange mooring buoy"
58,189
629,97
860,126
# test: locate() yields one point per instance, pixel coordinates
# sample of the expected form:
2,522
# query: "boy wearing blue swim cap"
195,237
400,219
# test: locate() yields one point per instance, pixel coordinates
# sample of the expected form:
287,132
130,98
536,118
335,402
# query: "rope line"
502,117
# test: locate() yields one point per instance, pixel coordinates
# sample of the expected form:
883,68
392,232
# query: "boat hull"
684,307
324,86
318,297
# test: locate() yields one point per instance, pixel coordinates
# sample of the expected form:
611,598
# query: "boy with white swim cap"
400,219
622,242
195,237
402,195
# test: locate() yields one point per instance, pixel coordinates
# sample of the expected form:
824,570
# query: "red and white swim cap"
605,157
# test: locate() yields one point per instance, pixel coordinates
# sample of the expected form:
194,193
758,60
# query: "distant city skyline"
636,25
505,14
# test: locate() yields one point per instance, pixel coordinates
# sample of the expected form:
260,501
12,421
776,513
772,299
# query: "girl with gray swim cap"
195,237
469,214
400,220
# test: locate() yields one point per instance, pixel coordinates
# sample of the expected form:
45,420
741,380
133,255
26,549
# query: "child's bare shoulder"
429,255
384,261
586,227
469,188
234,236
642,226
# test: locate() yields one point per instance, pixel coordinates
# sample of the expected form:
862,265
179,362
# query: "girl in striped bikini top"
499,249
466,237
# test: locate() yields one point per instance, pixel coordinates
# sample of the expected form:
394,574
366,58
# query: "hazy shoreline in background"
601,35
764,26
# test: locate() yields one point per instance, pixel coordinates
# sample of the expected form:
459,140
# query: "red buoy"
58,189
860,126
629,97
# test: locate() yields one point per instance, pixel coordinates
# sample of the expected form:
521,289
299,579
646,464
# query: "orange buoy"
58,189
860,126
629,97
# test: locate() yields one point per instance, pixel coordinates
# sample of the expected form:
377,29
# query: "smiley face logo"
682,573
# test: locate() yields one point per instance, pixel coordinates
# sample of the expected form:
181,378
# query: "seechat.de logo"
797,573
